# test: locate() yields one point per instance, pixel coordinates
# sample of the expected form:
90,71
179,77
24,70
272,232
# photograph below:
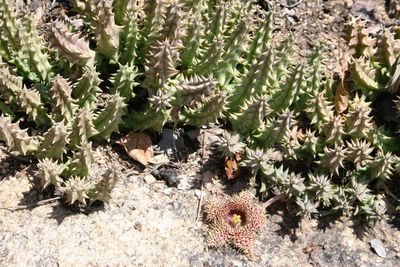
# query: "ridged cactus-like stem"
285,96
360,44
274,129
32,47
49,172
107,33
334,130
81,162
10,85
63,105
77,189
382,165
151,119
210,57
82,128
262,38
54,141
17,140
124,82
172,29
333,158
108,120
388,48
191,91
9,27
322,186
192,41
129,40
122,10
103,188
255,81
87,90
161,65
71,46
234,47
251,116
209,111
30,102
230,144
364,76
358,120
359,152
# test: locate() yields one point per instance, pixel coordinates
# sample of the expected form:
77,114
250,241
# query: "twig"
274,199
200,201
203,151
292,5
154,168
37,204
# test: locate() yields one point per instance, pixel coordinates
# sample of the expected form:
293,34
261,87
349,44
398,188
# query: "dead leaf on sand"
232,169
138,146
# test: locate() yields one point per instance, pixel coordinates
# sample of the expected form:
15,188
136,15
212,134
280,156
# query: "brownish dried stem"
292,5
274,199
203,151
34,205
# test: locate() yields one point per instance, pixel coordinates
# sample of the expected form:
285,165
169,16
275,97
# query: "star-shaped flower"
234,221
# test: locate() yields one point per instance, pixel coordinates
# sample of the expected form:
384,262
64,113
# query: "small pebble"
198,193
378,247
149,179
138,226
167,191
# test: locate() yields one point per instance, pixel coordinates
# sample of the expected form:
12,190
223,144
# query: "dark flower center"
236,218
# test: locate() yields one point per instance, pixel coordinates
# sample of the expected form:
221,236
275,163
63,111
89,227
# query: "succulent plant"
104,186
61,115
260,159
76,189
342,151
49,172
230,144
373,58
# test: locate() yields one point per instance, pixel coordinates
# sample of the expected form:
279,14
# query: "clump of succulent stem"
66,112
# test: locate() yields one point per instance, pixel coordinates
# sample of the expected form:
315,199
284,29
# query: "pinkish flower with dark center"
234,221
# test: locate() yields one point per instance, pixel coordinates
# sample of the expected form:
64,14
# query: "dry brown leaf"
138,146
342,96
232,170
344,63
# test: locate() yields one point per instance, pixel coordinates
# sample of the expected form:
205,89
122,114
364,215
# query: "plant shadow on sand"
15,164
35,196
